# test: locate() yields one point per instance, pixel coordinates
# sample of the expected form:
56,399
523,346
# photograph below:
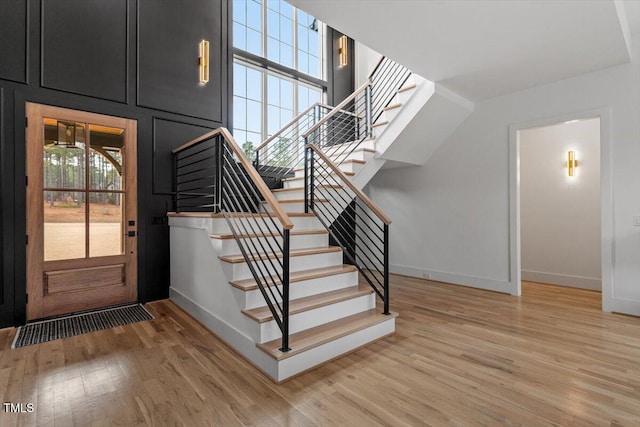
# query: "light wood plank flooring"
460,357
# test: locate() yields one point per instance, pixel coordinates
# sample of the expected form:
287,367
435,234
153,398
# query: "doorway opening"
81,211
561,203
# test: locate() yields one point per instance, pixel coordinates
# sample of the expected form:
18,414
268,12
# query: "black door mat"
63,327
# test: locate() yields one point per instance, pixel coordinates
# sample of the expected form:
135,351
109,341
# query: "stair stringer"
424,122
200,287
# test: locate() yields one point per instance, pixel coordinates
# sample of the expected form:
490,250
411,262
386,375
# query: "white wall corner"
621,11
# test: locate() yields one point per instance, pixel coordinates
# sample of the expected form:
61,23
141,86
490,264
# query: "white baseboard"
562,280
455,279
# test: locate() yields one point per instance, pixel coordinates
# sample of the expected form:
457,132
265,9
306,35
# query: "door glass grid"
83,194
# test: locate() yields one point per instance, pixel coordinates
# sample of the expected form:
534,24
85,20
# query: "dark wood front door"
81,211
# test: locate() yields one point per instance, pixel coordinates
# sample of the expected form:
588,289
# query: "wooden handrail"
248,167
295,119
350,184
338,108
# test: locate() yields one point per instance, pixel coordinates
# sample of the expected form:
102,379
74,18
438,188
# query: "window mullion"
295,38
265,105
264,28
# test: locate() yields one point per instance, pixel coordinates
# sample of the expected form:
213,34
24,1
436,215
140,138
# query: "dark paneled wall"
13,43
90,55
341,79
85,47
129,58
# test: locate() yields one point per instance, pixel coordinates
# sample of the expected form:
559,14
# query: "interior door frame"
606,200
35,205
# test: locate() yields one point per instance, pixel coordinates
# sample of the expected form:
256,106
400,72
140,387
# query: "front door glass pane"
106,216
105,158
64,155
64,225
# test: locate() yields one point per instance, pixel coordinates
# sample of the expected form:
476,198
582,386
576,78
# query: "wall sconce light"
572,163
342,51
203,61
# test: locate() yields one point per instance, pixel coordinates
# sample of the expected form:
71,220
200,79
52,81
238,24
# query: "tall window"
278,67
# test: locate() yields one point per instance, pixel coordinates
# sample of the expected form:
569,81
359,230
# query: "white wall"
559,214
451,216
366,60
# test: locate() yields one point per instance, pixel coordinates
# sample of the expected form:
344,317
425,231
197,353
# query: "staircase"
285,258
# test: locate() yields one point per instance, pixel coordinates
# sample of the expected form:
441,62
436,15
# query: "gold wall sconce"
342,51
203,61
572,163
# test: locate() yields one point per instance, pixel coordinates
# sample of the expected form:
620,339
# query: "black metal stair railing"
386,78
343,130
283,151
212,174
354,222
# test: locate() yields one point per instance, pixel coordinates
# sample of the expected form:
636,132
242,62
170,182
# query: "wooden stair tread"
217,215
234,259
228,236
328,151
263,314
314,337
392,107
406,88
299,276
380,124
361,162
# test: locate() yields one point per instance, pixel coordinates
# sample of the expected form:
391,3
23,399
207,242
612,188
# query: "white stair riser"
388,115
298,322
301,362
299,183
253,298
404,96
344,167
357,154
299,223
297,207
230,246
368,143
295,183
240,270
290,195
220,226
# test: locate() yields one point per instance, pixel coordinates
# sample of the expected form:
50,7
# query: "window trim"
262,62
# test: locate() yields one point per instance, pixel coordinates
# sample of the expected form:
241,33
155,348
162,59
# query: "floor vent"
63,327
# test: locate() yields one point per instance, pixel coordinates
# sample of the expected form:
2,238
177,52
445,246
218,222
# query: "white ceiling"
485,48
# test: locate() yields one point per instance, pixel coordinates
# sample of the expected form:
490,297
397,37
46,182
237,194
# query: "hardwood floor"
461,356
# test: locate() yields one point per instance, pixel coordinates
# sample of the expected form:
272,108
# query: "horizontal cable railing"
386,78
349,124
212,173
283,151
354,222
343,129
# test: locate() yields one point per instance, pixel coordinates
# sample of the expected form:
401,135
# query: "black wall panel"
169,33
167,135
13,40
341,79
84,47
